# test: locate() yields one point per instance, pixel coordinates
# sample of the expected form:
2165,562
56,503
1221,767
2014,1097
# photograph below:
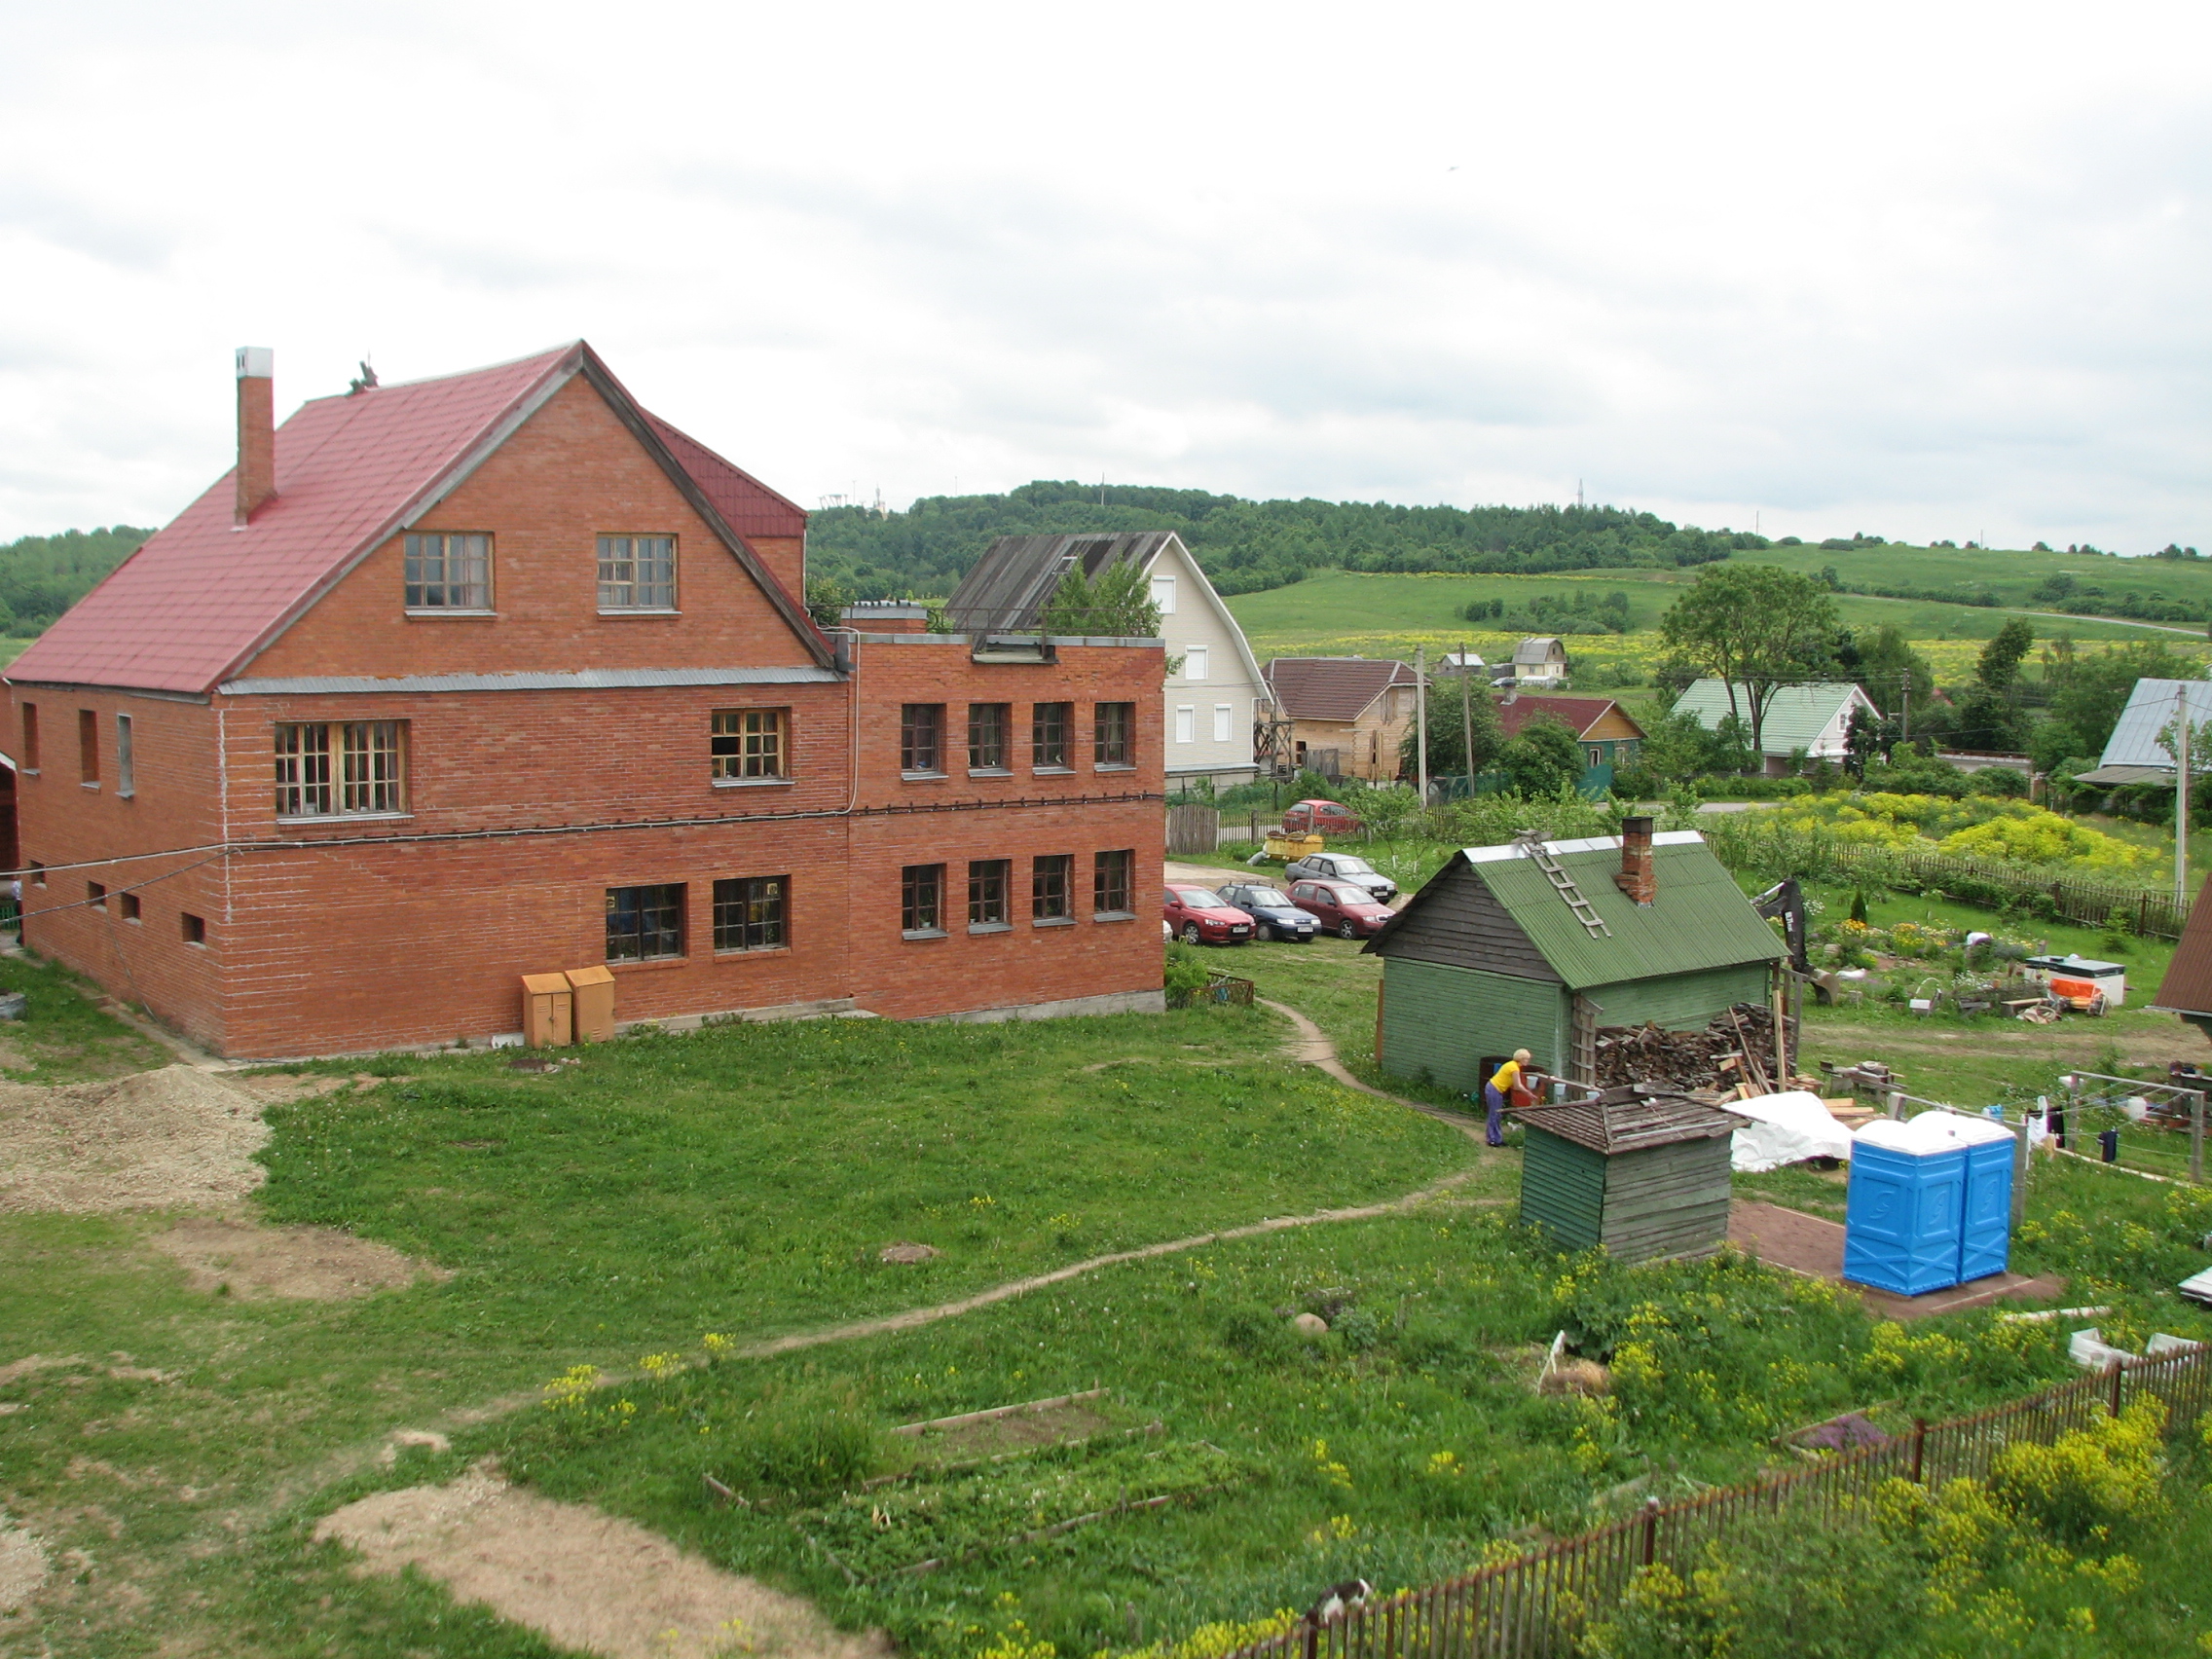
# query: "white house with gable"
1215,689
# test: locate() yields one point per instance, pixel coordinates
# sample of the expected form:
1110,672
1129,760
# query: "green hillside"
1246,546
43,575
2176,591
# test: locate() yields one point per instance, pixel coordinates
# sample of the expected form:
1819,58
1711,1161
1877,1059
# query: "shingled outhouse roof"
1621,1119
1493,908
203,597
1333,689
1010,584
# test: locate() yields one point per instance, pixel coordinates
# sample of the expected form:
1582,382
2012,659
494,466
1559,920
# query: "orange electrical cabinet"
593,989
547,1011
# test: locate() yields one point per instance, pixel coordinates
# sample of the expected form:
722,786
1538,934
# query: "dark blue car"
1273,916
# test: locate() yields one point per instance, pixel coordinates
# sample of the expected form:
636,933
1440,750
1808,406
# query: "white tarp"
1785,1128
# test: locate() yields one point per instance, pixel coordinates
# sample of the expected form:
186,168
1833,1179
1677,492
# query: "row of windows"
1186,723
355,768
1052,737
127,905
647,924
451,570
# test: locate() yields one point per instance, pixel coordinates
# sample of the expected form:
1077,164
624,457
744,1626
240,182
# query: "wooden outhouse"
1644,1175
1537,944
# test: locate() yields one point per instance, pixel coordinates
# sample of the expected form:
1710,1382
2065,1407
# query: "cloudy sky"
1923,270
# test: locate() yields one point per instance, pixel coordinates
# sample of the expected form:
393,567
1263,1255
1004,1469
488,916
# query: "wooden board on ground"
1057,1422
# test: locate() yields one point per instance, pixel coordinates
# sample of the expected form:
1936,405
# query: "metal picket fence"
1533,1607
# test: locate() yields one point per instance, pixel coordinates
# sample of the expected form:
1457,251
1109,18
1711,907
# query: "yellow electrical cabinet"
547,1011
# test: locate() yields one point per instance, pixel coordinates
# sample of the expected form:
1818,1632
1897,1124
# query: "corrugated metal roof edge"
580,680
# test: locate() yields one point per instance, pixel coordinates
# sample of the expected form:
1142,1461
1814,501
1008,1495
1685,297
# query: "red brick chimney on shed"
257,430
1637,877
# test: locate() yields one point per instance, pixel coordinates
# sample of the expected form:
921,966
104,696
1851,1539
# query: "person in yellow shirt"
1495,1092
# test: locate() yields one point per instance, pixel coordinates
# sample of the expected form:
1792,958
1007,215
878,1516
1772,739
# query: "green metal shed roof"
1796,714
1699,919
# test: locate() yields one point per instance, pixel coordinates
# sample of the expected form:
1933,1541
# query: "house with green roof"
1536,944
1813,717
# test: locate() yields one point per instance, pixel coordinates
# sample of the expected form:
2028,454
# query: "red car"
1201,916
1319,818
1347,910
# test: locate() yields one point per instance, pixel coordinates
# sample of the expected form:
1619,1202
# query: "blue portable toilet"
1985,1235
1929,1204
1901,1216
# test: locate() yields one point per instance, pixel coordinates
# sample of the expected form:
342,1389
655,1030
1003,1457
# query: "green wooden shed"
1644,1175
1536,944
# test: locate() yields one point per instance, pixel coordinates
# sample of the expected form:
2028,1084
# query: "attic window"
1164,594
637,572
448,571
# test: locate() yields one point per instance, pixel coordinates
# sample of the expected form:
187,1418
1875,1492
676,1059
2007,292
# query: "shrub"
1182,975
2090,1480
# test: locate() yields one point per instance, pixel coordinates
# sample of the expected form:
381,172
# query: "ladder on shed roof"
1592,923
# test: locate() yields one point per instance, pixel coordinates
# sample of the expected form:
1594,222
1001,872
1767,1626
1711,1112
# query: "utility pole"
1421,720
2180,796
1467,712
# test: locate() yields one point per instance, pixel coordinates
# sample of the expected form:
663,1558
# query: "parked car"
1341,866
1345,910
1199,917
1319,818
1273,916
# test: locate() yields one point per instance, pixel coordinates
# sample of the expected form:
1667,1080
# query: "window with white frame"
447,572
126,758
1224,718
1185,722
1164,594
637,572
1194,663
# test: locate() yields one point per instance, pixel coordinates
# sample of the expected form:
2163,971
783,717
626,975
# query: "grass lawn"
174,1449
63,1036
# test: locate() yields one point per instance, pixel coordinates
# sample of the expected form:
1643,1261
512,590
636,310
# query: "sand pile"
162,1139
582,1580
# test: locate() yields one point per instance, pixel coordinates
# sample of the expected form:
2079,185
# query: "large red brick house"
499,674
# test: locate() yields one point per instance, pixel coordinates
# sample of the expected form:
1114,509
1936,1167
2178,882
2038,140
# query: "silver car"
1342,866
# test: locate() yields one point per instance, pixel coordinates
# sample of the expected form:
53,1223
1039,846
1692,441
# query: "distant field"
2009,573
1350,614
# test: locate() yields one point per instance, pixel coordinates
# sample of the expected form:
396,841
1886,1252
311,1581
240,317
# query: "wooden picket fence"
1535,1606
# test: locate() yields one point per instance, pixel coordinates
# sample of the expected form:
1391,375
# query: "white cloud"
1924,270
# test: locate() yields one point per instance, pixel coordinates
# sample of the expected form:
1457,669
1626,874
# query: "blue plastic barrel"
1902,1218
1985,1241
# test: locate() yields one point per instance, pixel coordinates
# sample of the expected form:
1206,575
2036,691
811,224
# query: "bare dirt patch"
310,1264
23,1566
171,1139
581,1578
1015,1428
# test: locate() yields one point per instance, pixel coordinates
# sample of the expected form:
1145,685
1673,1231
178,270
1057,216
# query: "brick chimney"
1637,878
257,432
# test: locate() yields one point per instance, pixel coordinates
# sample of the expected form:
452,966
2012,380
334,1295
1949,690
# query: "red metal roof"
749,506
1578,714
203,598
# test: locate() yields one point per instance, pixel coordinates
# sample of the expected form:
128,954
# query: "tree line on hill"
43,575
1243,545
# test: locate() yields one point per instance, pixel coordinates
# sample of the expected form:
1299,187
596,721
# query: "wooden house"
1644,1175
1348,715
1608,735
1536,945
1541,660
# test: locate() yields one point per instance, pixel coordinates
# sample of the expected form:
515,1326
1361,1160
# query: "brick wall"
525,806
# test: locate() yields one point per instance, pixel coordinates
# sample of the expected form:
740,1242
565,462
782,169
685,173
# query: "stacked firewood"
1736,1048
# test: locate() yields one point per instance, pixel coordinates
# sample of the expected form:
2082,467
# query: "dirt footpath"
581,1578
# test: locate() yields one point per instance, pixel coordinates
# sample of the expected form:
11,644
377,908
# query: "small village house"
1645,1176
2133,753
1803,722
1609,736
1214,691
1540,660
499,674
1347,715
1537,946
